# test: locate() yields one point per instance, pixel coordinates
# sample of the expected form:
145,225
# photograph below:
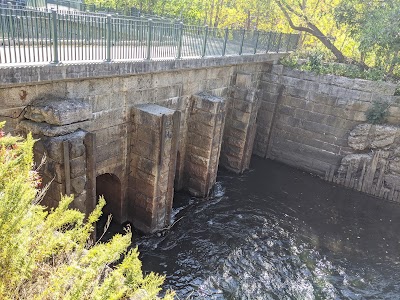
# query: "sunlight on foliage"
48,254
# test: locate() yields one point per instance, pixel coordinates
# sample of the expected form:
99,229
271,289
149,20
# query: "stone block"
78,184
79,202
146,150
207,103
343,82
240,116
78,166
100,102
108,118
201,141
241,105
277,69
270,77
53,146
76,148
272,88
292,73
113,149
54,169
58,111
243,80
295,92
144,187
51,130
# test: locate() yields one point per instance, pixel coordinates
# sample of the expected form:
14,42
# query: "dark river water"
278,233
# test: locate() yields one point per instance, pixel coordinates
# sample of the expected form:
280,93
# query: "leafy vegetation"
365,33
48,254
378,112
317,62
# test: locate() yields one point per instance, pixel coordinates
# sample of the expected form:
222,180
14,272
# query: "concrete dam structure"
136,132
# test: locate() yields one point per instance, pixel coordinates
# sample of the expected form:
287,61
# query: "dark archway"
109,186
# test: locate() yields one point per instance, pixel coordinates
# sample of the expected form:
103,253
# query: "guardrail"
30,35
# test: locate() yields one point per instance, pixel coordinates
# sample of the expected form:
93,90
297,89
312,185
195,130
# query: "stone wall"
101,102
305,119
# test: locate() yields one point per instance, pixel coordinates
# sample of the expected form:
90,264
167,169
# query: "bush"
48,254
317,62
378,112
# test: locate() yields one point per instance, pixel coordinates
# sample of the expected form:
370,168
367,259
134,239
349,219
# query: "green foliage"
378,113
48,254
314,62
291,61
317,61
375,26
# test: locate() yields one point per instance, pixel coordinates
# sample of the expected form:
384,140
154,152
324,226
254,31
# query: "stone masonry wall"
152,166
240,126
205,131
305,119
103,105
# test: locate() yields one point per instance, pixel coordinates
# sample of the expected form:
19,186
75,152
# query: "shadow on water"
278,233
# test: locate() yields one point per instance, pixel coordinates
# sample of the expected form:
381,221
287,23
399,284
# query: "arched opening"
109,186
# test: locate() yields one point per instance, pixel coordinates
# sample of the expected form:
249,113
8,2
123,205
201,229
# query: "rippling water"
278,233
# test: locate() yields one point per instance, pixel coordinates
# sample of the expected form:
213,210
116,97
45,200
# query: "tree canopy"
366,32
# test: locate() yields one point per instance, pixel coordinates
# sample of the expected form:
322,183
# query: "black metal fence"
29,35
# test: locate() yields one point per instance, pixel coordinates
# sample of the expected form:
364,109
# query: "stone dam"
136,132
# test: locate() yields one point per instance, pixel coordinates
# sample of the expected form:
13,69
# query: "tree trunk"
327,43
313,30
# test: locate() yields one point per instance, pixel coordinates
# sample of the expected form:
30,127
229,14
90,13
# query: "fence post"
180,40
241,43
10,18
288,42
55,36
225,41
257,34
149,32
205,41
268,42
109,25
279,43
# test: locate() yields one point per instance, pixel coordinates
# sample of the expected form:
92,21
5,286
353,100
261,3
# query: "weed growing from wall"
378,112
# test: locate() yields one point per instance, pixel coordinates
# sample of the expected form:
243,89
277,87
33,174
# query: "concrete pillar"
152,166
240,125
205,129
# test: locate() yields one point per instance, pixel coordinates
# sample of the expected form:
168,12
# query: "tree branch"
311,28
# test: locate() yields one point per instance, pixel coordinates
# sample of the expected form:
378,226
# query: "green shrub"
318,62
48,254
290,61
378,113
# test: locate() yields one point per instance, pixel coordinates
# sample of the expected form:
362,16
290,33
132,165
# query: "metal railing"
31,35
